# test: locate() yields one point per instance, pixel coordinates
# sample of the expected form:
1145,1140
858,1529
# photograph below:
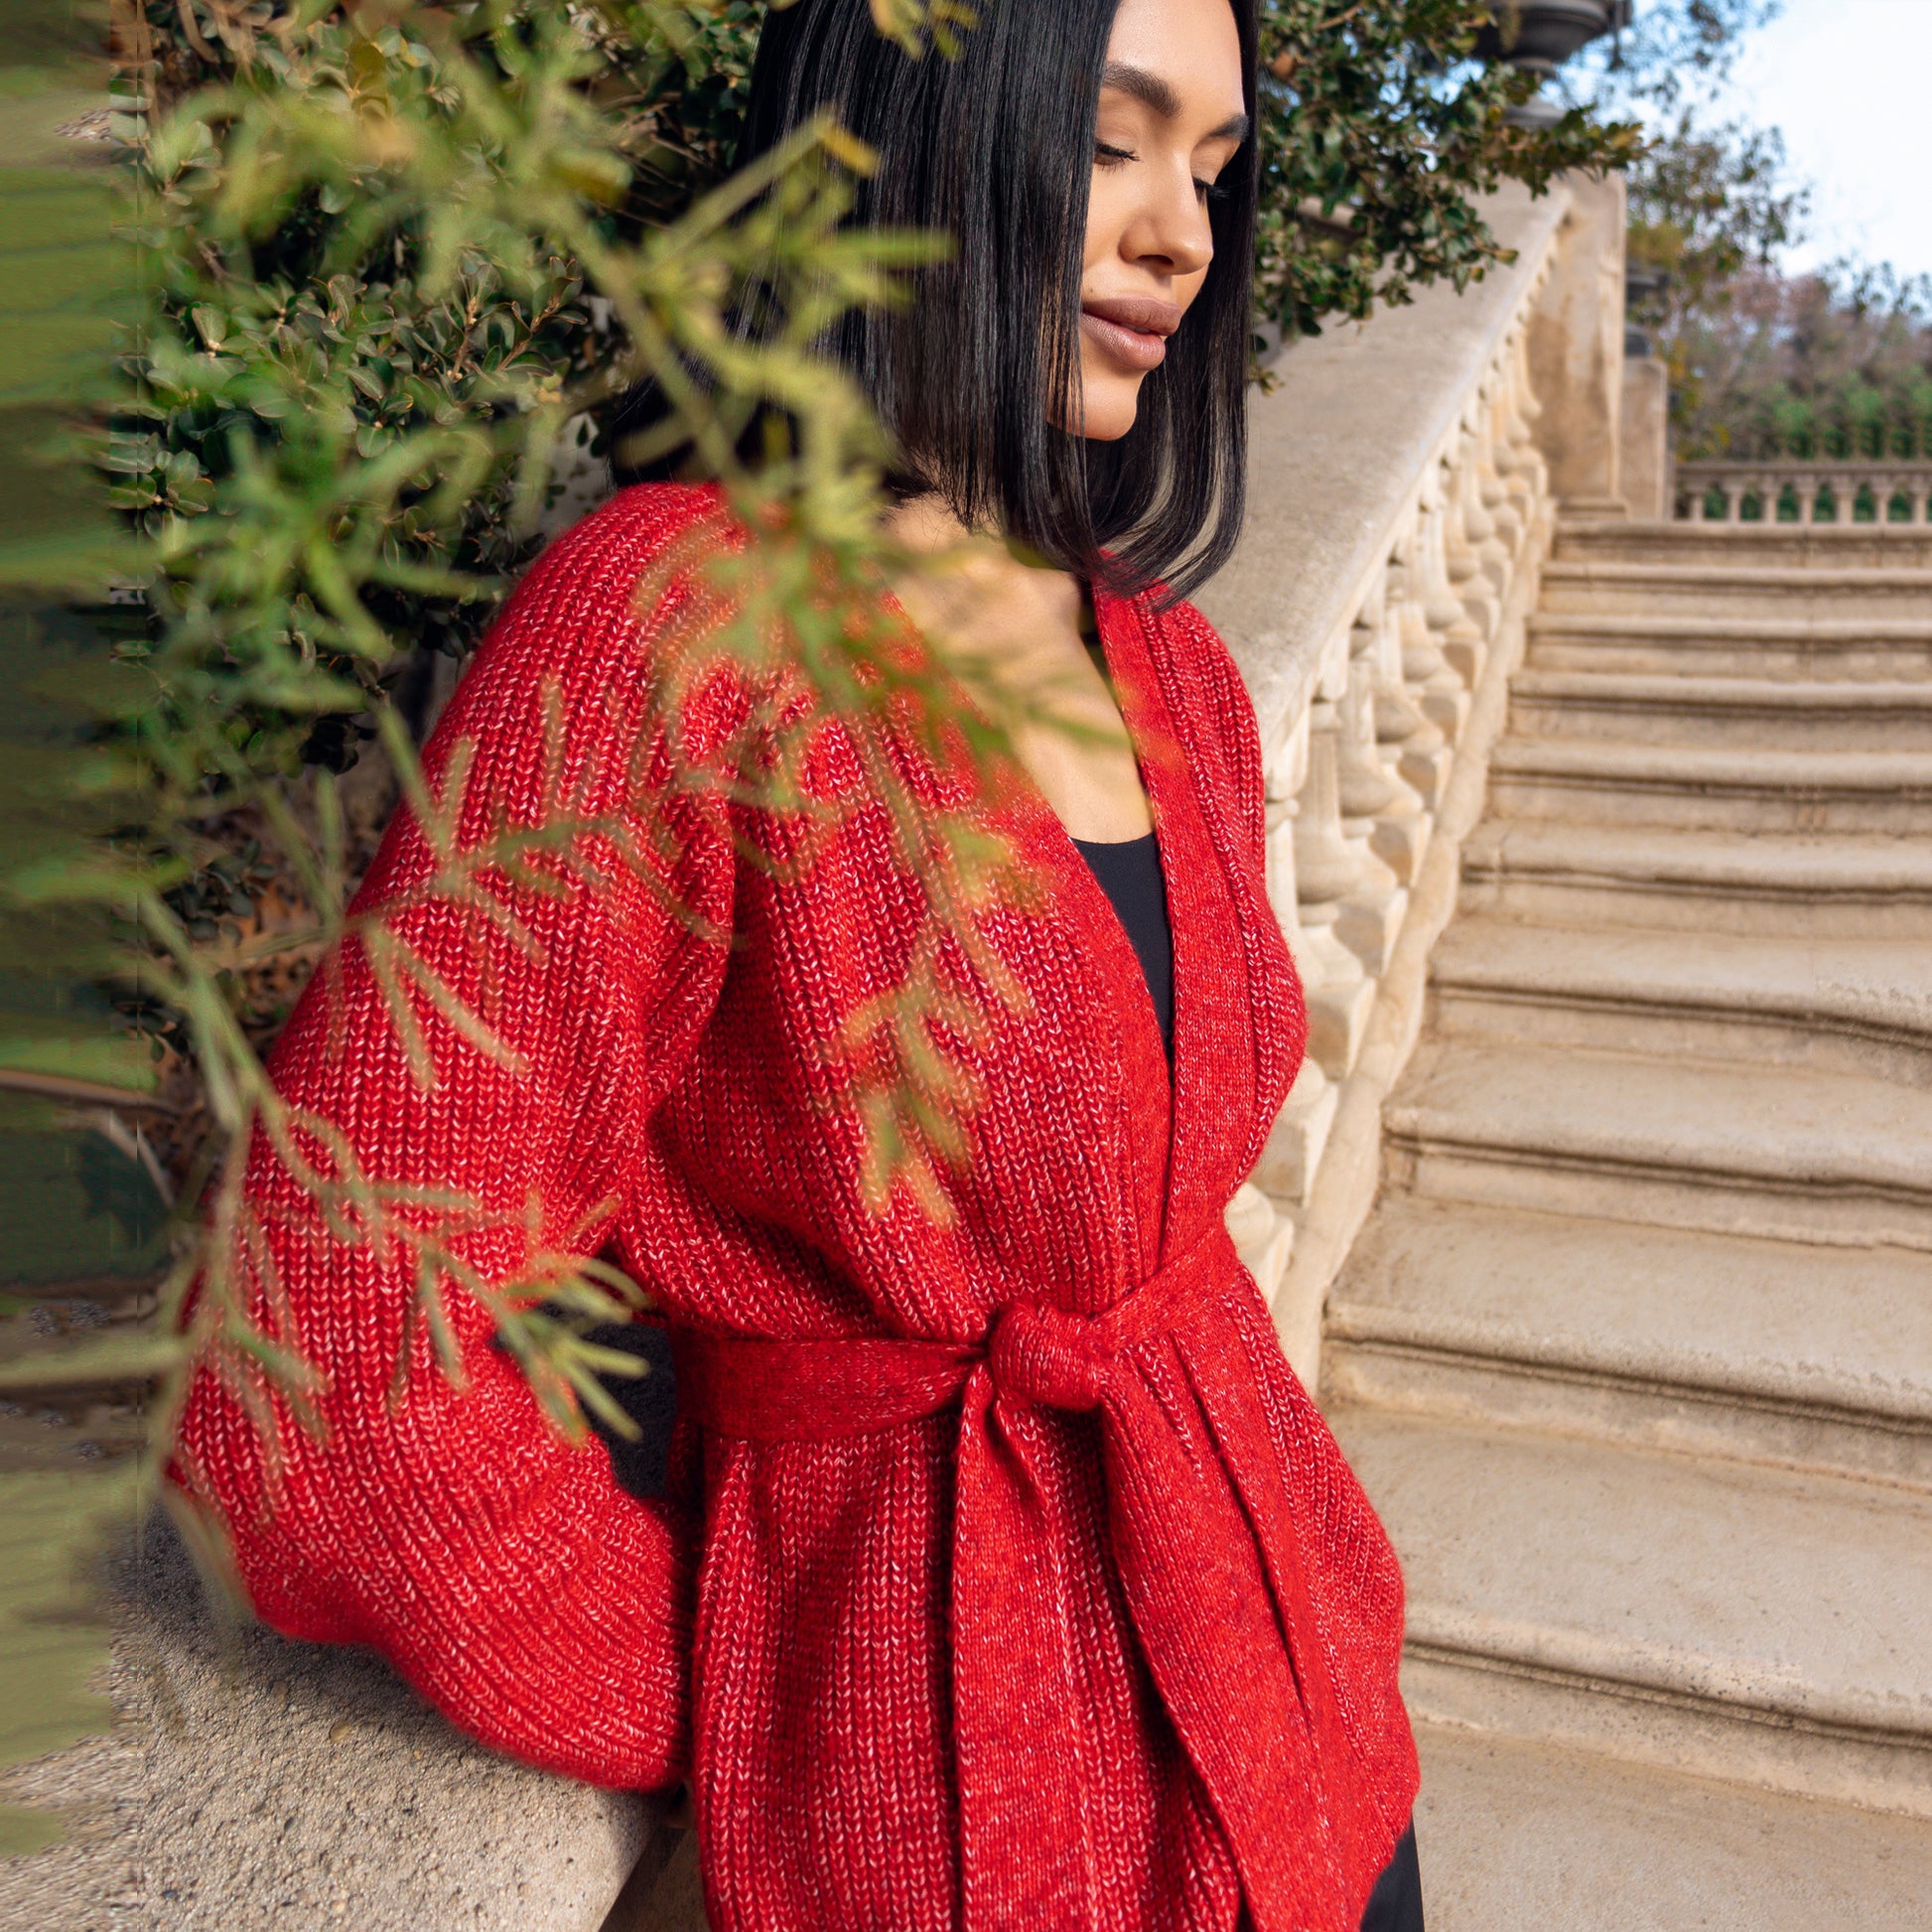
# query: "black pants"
1395,1905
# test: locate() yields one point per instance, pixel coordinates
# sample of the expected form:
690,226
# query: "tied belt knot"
1046,1358
1223,1623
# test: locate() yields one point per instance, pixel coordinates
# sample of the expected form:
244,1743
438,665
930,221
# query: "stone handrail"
1402,502
1888,480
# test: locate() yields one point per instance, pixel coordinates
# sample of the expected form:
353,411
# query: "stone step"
1774,714
1519,1837
1788,546
1773,1152
1569,873
1724,787
1835,1005
1718,1617
1762,1350
1756,648
1739,589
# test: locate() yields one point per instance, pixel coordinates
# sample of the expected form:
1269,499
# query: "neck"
927,528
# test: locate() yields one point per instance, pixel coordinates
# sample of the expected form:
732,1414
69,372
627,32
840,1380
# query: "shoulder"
623,572
591,636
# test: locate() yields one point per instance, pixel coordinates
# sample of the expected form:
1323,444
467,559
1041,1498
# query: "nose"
1170,233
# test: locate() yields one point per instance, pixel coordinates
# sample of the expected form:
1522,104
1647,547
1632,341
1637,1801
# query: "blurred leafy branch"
391,254
396,261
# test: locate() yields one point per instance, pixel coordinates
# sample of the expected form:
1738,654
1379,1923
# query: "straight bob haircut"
995,148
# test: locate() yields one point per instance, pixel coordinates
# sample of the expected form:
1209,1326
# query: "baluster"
1367,792
1478,526
1417,750
1366,788
1450,617
1439,691
1469,582
1421,751
1517,469
1293,1152
1528,461
1502,513
1328,868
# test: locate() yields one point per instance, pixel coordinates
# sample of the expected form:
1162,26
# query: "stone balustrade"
1792,489
1401,506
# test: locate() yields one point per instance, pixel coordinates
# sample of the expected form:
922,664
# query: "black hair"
995,148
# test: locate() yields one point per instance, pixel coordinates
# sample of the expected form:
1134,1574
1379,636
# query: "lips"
1131,330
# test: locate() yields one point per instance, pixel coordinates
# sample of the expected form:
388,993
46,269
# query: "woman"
1007,1577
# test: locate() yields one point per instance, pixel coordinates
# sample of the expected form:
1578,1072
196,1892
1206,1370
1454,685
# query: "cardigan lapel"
1178,1118
1210,995
1117,1000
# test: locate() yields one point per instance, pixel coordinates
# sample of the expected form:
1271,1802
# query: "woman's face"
1172,116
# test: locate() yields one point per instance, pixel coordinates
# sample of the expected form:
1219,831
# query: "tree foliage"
1837,364
1710,210
391,257
1831,364
1377,131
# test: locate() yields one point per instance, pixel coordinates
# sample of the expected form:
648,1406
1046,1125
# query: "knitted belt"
1221,1611
811,1391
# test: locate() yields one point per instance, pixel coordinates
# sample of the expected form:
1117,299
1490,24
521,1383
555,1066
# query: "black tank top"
1129,873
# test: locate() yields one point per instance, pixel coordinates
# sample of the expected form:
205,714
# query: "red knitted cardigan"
1039,1596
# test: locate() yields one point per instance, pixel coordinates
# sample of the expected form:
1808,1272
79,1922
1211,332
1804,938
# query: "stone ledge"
259,1785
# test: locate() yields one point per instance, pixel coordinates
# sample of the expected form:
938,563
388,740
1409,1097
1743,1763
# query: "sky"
1850,83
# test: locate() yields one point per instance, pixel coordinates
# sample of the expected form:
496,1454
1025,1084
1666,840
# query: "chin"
1109,417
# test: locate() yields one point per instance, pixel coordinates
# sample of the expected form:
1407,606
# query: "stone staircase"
1635,1353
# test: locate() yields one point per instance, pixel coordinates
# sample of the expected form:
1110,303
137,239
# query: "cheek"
1110,206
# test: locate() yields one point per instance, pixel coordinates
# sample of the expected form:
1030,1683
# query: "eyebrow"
1158,95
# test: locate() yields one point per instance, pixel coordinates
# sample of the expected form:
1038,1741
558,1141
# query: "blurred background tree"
1831,363
1710,207
1836,363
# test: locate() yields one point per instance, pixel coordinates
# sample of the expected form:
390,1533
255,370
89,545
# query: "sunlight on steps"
1635,1353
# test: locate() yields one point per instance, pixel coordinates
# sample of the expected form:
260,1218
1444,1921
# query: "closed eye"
1109,156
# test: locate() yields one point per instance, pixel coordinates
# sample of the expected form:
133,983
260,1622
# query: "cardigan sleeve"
441,1518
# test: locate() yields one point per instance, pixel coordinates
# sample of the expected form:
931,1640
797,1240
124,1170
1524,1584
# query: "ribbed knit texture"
1024,1662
